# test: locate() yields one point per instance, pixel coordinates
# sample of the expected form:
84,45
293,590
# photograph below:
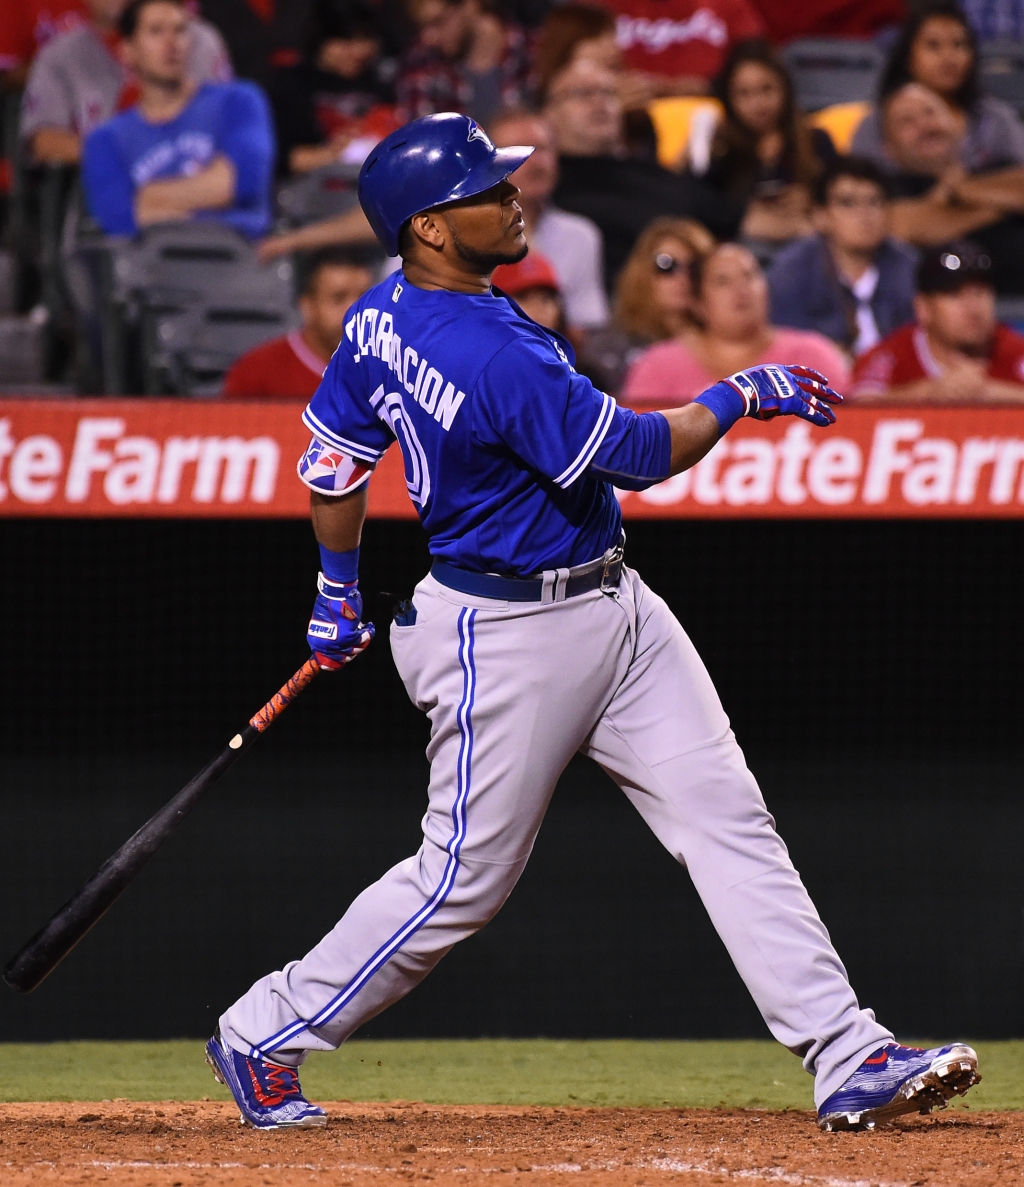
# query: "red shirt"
787,20
27,25
905,356
677,37
282,369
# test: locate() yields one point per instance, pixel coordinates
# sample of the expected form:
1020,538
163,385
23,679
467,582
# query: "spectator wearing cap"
182,152
340,92
955,350
763,153
534,286
79,80
731,333
466,58
598,179
292,367
850,281
653,300
571,243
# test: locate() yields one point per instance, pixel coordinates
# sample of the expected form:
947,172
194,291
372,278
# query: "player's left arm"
637,451
762,392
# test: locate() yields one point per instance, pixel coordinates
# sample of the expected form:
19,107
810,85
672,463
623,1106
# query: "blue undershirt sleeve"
107,181
247,138
636,450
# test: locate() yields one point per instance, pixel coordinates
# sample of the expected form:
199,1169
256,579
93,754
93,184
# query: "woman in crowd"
938,49
730,333
653,299
341,91
762,151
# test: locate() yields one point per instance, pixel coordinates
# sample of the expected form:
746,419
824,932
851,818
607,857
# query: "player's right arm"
348,441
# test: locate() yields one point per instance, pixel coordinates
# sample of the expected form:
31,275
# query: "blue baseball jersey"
510,455
127,152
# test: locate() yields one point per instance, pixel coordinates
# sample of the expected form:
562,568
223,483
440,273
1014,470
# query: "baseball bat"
48,947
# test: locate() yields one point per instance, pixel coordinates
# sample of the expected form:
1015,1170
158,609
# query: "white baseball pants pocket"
513,691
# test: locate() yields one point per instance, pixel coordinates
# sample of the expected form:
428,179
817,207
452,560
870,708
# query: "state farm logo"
106,464
902,466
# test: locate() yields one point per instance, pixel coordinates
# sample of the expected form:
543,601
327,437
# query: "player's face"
323,309
158,51
964,320
854,217
487,229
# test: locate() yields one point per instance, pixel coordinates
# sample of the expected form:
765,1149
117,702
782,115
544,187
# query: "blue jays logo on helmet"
437,159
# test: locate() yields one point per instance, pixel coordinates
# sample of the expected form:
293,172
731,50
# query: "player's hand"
336,631
773,390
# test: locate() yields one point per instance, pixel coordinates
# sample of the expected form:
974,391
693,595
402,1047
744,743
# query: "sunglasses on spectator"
666,264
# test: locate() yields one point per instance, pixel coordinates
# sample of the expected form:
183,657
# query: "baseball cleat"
268,1094
898,1080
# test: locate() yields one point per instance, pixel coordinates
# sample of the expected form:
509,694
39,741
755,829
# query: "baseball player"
530,640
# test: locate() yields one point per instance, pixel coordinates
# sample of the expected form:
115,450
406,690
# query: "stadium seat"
323,193
170,271
674,120
1002,71
841,122
830,70
188,352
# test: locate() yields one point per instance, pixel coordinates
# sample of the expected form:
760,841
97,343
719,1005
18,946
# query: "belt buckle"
614,561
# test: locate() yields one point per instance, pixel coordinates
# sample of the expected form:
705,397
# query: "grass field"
543,1072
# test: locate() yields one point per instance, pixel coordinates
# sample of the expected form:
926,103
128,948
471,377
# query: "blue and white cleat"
268,1094
898,1080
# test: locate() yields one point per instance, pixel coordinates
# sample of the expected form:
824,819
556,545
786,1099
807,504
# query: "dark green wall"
872,671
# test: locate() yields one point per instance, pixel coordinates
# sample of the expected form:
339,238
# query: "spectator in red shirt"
787,21
956,350
466,59
680,45
292,367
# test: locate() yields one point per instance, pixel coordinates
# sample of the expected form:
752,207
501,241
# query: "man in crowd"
79,81
183,152
291,367
956,350
533,285
935,199
571,243
465,59
598,179
680,45
850,282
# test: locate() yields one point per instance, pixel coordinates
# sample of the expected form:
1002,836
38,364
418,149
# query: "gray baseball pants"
513,691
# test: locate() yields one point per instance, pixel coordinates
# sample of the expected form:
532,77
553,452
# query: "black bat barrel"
48,947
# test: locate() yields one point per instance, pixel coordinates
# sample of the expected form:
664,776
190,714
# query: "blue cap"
439,158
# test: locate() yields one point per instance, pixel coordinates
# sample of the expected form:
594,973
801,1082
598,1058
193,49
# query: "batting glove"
769,391
336,631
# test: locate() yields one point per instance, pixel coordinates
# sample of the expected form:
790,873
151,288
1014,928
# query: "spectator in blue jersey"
184,151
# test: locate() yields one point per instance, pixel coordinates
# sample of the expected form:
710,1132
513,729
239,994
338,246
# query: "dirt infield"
183,1145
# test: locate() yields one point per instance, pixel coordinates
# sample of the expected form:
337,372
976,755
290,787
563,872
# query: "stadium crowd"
687,218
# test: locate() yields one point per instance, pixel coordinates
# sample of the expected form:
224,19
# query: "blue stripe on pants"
383,954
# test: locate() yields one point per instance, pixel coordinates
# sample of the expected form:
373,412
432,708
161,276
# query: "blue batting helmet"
439,158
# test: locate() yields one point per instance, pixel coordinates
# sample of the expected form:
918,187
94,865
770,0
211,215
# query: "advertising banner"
212,458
